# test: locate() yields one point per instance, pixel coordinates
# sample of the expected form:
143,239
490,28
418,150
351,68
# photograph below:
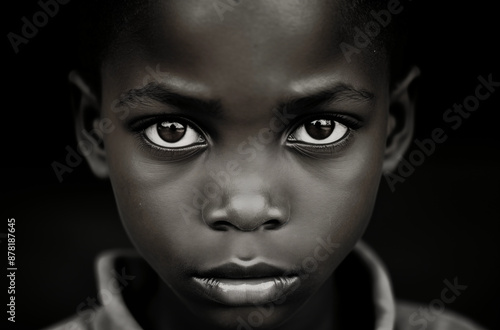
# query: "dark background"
441,223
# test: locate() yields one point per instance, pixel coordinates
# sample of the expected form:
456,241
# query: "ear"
401,120
86,113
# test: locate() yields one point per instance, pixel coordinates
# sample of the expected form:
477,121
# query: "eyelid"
168,154
351,121
139,125
151,134
323,151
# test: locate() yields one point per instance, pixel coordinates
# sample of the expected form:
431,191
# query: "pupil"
320,129
171,131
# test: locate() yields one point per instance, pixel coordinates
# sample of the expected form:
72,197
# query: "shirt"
365,297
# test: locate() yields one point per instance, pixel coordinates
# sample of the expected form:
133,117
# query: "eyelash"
319,151
139,126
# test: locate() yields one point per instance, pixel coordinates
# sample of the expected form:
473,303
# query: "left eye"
172,134
319,131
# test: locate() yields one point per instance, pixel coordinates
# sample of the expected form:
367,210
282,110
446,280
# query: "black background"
441,223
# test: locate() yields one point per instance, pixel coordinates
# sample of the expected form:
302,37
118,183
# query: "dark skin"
213,107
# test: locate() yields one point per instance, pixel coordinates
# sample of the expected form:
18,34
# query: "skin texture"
276,200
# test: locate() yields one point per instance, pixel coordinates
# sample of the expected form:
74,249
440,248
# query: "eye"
319,131
172,134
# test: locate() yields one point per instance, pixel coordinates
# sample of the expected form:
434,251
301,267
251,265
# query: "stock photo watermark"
94,137
428,314
87,310
364,36
453,118
11,269
321,253
31,26
250,147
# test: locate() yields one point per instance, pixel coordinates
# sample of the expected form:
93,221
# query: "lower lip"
251,291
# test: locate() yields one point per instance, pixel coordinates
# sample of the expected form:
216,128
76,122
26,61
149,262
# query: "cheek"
335,198
151,197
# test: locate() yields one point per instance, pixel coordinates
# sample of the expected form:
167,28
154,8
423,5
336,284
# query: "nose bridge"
251,198
246,167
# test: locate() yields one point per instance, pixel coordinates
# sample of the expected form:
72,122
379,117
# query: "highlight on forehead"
103,22
110,25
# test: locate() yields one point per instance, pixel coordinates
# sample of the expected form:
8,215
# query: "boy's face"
248,140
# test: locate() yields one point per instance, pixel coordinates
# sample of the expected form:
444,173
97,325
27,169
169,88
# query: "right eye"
320,132
173,134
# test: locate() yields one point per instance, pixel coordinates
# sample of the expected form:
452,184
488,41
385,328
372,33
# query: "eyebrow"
340,92
161,93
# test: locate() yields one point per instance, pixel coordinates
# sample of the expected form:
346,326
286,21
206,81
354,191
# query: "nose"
246,212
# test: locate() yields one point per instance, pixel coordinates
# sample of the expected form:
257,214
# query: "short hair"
101,24
393,38
104,23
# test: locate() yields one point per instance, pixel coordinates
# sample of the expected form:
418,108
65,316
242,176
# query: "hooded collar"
361,277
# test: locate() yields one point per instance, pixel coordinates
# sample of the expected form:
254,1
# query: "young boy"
245,142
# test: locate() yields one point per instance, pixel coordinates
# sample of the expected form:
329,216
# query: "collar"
115,268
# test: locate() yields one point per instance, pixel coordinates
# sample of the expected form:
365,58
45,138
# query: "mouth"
235,285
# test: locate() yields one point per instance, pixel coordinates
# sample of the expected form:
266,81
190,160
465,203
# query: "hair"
103,25
393,39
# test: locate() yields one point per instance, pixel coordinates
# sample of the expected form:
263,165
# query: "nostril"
272,224
224,225
255,215
221,225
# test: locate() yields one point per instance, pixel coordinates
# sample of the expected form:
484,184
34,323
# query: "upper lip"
233,270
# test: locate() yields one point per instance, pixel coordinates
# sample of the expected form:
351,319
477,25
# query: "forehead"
251,33
256,45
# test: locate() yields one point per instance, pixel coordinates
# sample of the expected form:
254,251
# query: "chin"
268,316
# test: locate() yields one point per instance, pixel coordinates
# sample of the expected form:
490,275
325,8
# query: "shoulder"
86,320
113,275
412,316
72,323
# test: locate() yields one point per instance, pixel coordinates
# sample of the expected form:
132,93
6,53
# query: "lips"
237,285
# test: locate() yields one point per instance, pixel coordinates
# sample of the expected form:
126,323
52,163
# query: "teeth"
247,287
210,281
278,282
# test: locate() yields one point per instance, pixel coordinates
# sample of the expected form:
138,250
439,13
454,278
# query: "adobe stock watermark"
454,118
309,265
223,6
363,37
87,309
39,19
94,137
427,314
250,147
